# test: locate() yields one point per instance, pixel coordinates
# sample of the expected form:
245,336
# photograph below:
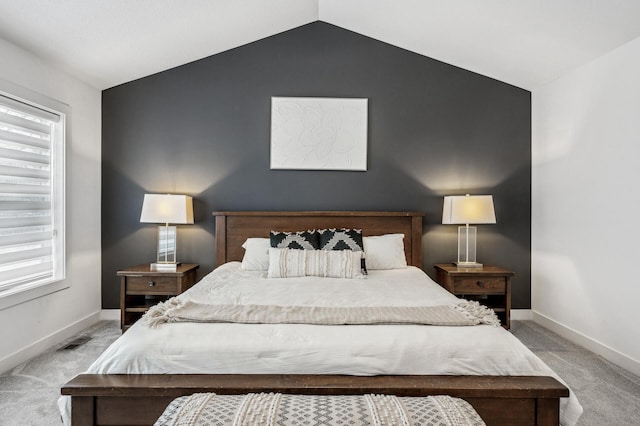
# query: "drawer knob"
151,284
480,284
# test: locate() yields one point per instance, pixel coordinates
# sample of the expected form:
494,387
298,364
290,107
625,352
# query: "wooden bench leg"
547,411
83,410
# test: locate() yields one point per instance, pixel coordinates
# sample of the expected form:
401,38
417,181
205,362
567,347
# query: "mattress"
226,348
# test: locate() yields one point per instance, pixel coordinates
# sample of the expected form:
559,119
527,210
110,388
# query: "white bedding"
322,349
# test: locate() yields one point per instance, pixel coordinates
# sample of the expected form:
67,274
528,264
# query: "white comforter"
323,349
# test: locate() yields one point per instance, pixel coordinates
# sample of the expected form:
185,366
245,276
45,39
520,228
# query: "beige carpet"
609,394
29,392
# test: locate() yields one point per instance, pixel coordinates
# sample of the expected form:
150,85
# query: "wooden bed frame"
139,399
233,228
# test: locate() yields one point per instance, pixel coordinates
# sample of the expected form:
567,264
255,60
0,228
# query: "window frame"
24,292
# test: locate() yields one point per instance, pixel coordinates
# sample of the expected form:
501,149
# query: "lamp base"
167,242
467,247
165,267
468,264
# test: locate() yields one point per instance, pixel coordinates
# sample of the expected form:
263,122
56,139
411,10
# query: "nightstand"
489,285
141,288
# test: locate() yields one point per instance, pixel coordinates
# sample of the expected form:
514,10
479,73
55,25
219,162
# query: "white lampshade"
167,208
467,209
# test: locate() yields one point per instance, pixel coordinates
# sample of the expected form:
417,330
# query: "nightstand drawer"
479,285
152,285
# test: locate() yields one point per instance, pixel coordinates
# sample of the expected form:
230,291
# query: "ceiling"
526,43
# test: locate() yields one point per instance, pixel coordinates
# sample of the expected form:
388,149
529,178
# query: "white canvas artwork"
319,133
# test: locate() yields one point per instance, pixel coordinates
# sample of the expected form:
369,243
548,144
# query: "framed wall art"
319,133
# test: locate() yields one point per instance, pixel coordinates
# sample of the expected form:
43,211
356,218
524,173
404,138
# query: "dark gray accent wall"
203,129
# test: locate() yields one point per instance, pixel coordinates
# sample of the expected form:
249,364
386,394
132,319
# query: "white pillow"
384,251
256,254
290,263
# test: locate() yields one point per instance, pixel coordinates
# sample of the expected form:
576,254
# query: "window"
32,249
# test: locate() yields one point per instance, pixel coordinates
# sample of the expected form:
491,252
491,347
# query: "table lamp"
468,209
167,209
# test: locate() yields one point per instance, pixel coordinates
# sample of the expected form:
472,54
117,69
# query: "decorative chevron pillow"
303,240
341,239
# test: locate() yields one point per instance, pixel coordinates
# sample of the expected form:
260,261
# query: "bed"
139,375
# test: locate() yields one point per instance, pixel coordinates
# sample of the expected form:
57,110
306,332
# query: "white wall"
29,327
586,205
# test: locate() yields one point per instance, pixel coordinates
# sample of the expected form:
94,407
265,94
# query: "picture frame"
319,133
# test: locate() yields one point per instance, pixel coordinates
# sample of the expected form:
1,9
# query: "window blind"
31,250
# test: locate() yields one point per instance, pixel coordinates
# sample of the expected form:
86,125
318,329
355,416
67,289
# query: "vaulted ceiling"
525,43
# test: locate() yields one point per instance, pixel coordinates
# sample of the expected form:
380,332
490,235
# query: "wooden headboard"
234,227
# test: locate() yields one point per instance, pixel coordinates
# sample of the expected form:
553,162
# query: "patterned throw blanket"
271,409
459,314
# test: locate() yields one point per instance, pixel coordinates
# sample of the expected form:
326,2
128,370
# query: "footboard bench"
139,399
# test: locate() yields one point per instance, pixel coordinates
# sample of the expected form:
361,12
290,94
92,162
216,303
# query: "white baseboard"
521,314
599,348
110,314
36,348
